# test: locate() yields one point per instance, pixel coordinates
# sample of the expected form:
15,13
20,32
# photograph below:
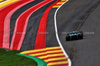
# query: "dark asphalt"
83,52
32,28
33,24
18,13
51,40
70,16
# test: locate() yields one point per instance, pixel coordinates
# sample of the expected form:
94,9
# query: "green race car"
75,35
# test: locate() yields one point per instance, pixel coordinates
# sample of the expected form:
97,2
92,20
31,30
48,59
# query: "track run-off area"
39,27
19,17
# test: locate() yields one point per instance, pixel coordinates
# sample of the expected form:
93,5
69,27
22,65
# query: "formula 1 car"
75,35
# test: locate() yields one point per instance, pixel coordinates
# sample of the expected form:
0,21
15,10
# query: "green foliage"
9,58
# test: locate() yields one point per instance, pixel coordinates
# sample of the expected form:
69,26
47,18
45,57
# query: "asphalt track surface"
51,37
32,28
5,21
74,15
18,13
81,15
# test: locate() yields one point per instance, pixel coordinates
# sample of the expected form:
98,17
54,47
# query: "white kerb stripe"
57,37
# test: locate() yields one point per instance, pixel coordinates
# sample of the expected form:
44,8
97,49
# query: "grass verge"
9,58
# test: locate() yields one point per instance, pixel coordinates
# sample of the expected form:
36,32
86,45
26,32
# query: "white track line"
57,37
4,1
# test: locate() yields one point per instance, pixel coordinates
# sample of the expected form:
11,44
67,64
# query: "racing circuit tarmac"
81,15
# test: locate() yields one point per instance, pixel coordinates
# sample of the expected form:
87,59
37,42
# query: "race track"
28,25
85,16
23,26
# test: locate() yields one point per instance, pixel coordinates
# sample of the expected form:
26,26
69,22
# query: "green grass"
9,58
